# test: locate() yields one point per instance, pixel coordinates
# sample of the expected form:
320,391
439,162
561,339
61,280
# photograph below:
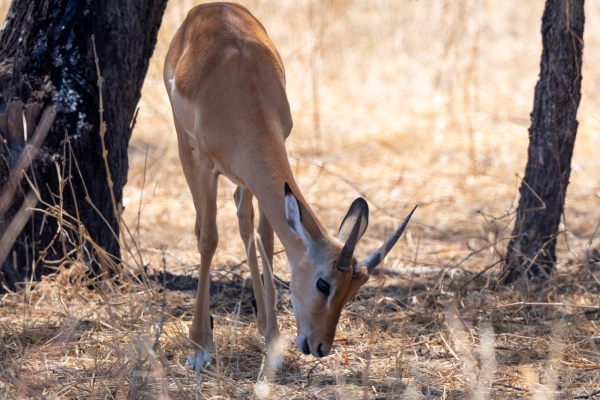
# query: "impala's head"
328,276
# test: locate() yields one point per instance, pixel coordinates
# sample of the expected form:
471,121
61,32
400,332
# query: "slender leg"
245,213
266,235
203,185
272,335
201,330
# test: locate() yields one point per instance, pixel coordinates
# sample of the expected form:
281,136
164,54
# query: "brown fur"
226,83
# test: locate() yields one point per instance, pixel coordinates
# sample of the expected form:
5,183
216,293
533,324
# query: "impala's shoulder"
217,12
219,26
219,38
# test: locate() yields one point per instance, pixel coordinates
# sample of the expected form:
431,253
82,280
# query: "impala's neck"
271,199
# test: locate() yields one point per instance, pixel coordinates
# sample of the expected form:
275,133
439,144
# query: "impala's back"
224,75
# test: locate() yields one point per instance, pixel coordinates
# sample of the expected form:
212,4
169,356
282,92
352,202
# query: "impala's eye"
323,287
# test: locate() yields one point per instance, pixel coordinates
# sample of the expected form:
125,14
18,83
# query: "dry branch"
17,224
26,158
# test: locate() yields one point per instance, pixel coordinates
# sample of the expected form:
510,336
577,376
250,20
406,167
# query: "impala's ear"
359,208
300,221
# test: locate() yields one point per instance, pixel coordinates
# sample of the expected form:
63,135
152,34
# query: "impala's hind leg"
201,329
202,181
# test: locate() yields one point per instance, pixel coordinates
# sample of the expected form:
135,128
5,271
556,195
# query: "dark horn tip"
375,259
411,213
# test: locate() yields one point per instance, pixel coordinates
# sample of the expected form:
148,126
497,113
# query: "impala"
226,84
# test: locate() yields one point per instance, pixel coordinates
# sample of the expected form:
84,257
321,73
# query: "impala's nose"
320,350
305,347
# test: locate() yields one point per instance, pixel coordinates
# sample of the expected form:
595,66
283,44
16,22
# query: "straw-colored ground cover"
402,102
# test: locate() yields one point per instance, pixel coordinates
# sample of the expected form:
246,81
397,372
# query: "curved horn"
343,262
374,259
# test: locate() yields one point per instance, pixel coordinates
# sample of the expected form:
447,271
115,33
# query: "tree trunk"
532,249
47,58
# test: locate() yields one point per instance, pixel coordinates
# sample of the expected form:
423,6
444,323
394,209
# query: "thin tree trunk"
532,249
47,58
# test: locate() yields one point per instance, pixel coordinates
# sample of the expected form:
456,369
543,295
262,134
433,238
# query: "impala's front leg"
272,336
266,317
245,213
201,333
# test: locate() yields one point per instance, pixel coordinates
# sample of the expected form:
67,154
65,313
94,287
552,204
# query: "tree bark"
532,249
47,59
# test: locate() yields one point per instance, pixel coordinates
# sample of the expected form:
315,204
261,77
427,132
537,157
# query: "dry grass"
419,334
418,102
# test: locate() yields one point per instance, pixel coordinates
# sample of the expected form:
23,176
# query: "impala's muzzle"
318,349
320,352
305,347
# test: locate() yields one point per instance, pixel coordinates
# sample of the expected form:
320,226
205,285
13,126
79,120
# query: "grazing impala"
226,83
